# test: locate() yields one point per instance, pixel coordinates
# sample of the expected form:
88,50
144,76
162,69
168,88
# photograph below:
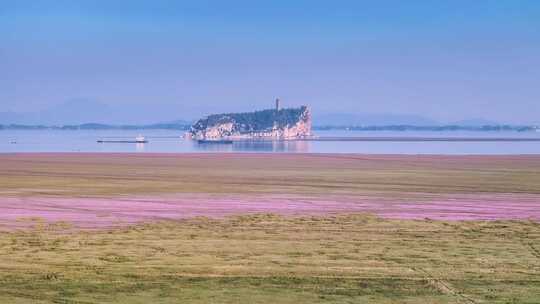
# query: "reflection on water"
139,147
255,146
169,141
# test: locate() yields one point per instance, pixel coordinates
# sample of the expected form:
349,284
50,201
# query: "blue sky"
446,60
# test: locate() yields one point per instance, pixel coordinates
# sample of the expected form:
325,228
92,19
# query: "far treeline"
97,126
187,127
431,128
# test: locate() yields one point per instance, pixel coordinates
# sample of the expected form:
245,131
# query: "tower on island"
277,104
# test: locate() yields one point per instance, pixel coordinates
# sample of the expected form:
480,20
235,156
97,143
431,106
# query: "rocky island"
275,123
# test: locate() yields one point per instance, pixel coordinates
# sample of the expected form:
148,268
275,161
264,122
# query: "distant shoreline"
423,139
187,127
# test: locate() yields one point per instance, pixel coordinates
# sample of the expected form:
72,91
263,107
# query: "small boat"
138,140
215,141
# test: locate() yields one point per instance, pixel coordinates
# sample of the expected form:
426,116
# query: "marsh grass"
267,258
386,176
272,259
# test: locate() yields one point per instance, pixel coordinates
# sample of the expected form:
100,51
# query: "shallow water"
170,141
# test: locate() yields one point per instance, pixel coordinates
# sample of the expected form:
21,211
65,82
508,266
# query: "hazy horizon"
162,61
82,111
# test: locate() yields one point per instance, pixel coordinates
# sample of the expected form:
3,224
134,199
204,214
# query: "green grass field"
265,258
271,259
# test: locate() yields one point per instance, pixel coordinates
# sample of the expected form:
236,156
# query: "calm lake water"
170,141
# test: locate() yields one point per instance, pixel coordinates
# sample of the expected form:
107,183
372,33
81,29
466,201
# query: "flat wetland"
260,228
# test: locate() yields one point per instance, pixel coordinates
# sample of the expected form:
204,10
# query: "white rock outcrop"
280,124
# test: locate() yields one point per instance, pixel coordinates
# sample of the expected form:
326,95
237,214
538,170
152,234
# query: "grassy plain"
77,174
272,259
265,258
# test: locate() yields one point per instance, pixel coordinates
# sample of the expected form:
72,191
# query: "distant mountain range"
83,112
346,119
342,119
71,112
475,122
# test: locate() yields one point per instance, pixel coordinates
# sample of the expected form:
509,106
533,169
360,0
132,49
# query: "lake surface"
171,141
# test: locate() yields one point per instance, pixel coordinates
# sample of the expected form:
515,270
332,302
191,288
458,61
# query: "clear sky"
446,60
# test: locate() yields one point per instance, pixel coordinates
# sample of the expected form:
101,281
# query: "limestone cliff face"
285,123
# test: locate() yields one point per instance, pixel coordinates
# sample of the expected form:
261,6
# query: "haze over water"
170,141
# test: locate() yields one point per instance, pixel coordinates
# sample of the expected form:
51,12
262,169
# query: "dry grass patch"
268,258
